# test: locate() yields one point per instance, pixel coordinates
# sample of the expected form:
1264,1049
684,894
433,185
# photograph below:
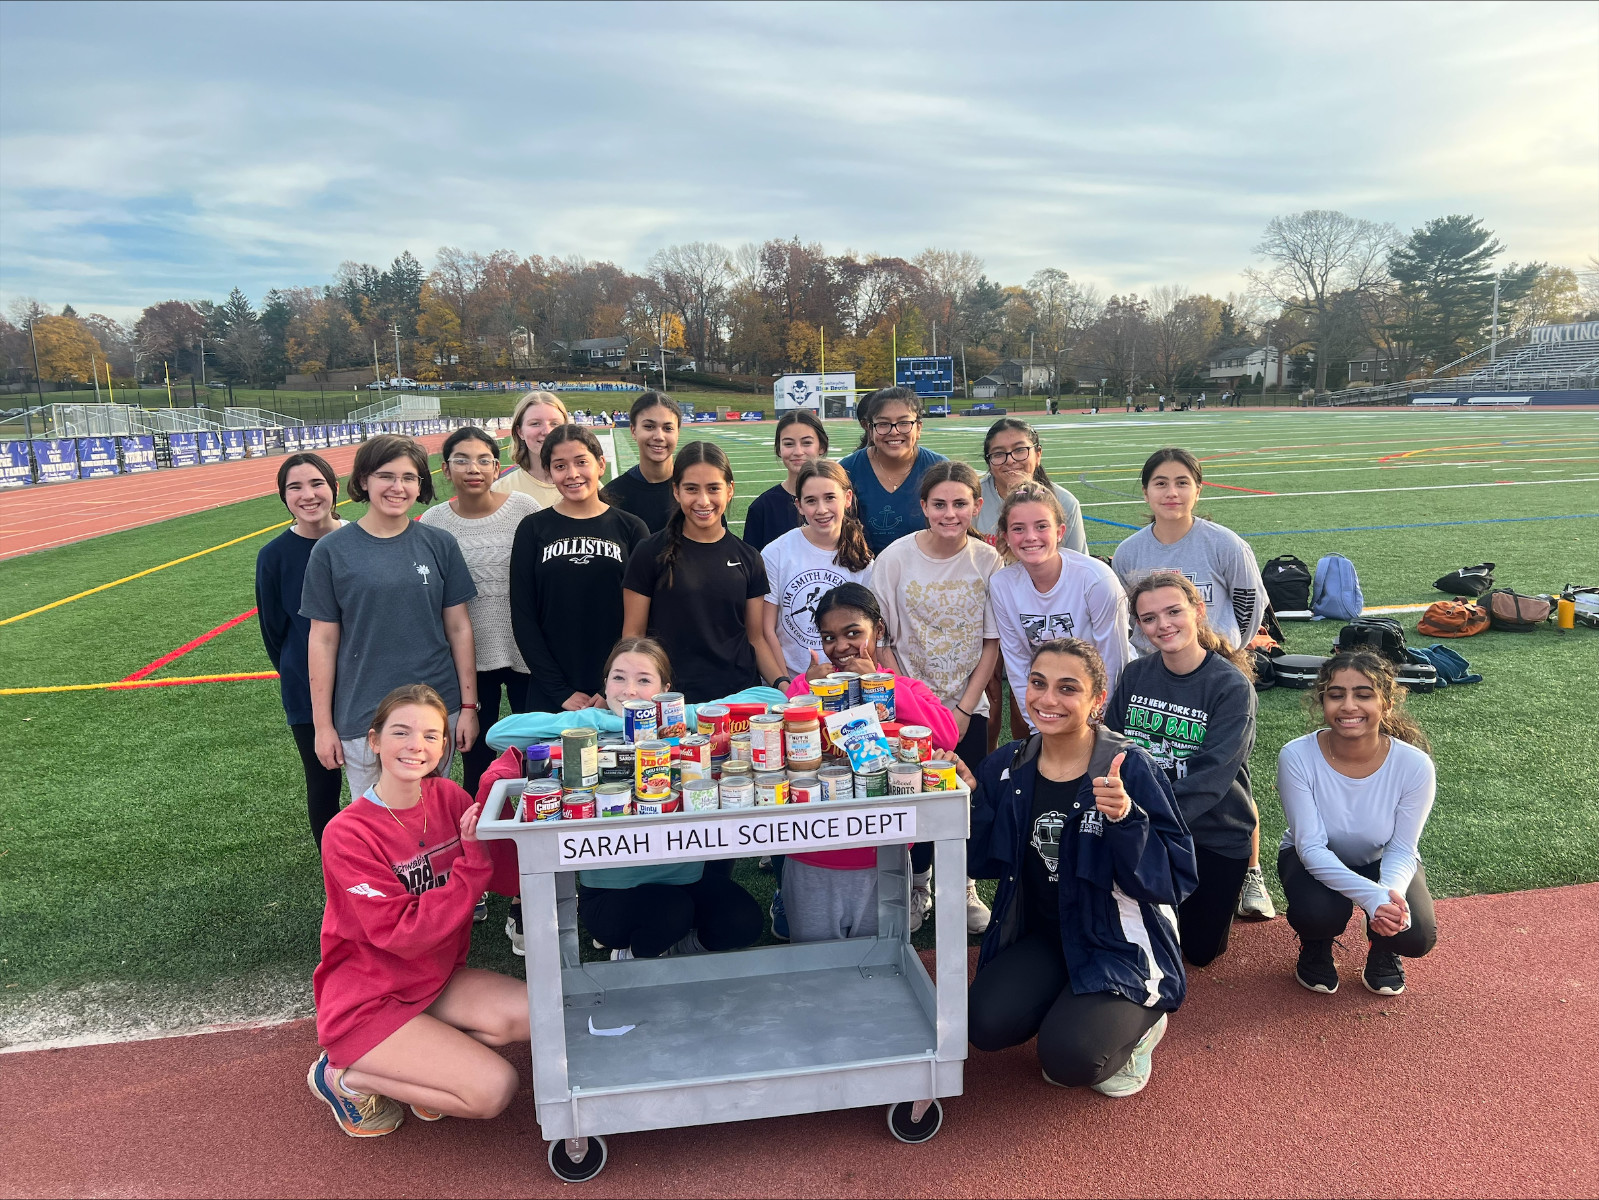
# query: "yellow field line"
133,684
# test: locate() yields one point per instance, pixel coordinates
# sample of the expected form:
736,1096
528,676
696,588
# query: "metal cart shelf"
766,1032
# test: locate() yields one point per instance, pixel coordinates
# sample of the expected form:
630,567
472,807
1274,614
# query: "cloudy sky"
150,151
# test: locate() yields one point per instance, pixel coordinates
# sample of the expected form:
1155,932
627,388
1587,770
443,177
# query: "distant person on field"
1357,794
536,414
401,1019
387,600
309,489
1223,570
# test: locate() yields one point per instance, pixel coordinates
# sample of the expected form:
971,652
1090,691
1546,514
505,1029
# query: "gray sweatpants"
823,904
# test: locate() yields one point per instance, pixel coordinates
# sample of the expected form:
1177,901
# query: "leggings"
321,785
1205,919
1317,913
1026,992
972,750
476,760
652,917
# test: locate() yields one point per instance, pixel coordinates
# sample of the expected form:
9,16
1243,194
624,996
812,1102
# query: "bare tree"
1315,256
694,281
1181,329
1062,310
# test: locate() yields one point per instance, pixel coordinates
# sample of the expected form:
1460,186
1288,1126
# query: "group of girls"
1134,771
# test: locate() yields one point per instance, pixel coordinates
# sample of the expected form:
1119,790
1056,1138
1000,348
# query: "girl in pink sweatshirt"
400,1018
833,893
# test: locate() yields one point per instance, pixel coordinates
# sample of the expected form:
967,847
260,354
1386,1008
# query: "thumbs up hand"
1109,795
818,669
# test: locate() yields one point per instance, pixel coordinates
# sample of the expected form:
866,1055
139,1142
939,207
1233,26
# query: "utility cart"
774,1031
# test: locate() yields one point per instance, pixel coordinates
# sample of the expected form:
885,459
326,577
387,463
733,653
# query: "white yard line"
1435,487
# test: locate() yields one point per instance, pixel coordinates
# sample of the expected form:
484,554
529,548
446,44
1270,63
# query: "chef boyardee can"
640,721
580,759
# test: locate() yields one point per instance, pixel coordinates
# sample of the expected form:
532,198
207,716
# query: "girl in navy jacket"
1092,856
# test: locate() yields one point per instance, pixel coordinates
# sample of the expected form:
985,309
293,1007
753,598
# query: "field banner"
138,454
57,459
291,439
210,447
16,466
185,449
255,443
97,457
232,445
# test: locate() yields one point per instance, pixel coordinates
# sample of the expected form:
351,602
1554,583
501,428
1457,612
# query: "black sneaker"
1384,973
1316,969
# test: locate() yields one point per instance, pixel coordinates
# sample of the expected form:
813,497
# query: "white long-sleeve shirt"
1086,602
1336,823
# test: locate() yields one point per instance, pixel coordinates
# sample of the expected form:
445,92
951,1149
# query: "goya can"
871,783
671,715
904,779
766,742
737,789
641,721
700,795
851,681
578,806
837,783
878,689
771,787
612,799
541,800
938,775
807,789
580,759
915,743
714,721
652,768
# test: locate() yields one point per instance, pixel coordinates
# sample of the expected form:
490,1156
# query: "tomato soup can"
541,800
915,743
652,768
671,715
871,783
695,748
688,772
766,742
641,721
579,806
852,681
580,759
837,783
938,775
700,795
878,689
771,787
714,721
807,789
904,779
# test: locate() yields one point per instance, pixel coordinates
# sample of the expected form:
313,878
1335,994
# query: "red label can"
578,806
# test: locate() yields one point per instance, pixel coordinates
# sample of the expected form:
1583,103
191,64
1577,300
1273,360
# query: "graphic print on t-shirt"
1046,840
579,551
1171,733
417,873
947,616
797,604
1046,627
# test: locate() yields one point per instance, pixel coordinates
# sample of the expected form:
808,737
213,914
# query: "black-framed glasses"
1019,454
901,426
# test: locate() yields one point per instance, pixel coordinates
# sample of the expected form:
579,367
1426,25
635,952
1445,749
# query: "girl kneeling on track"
1356,794
401,1020
1077,796
833,893
1191,707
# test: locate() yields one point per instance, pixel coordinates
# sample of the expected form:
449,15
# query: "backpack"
1381,635
1337,592
1453,619
1287,581
1510,611
1468,581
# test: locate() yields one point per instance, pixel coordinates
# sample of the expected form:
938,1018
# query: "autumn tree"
168,333
67,350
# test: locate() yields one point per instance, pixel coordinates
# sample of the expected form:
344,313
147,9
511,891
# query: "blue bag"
1337,594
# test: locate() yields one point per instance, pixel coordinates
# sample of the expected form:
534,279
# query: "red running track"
1479,1081
59,514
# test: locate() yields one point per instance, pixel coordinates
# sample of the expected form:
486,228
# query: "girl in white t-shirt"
805,564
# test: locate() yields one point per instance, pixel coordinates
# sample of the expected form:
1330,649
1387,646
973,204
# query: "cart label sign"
747,832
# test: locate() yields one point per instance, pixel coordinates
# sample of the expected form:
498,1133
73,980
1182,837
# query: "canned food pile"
739,756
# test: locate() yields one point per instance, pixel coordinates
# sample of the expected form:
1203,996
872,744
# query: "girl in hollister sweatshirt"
400,1019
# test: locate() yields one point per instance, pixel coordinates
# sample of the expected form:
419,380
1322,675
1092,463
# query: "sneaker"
1130,1080
1384,973
623,955
358,1116
689,943
1255,901
426,1114
480,912
977,914
513,930
1316,969
921,898
779,916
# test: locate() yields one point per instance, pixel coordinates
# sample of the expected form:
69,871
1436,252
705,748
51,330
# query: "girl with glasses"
1014,456
886,472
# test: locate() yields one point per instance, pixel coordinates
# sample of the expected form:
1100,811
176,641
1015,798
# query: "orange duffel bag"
1452,618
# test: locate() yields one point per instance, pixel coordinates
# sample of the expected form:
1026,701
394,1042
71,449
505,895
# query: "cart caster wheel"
570,1170
910,1131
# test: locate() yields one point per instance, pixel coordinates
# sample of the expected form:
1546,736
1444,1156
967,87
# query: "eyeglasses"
1019,454
485,461
389,478
904,426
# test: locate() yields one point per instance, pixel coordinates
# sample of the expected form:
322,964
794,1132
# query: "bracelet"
782,681
471,704
962,711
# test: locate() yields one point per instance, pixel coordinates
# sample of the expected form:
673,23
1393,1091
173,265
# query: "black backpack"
1287,581
1380,635
1468,581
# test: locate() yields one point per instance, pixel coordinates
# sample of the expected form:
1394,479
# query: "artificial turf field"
155,865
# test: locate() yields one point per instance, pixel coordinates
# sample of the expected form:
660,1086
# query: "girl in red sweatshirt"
401,1020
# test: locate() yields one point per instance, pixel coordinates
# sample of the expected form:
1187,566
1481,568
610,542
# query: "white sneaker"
1255,901
513,930
1130,1080
921,898
623,955
977,914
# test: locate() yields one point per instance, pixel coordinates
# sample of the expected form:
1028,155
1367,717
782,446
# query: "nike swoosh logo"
733,562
